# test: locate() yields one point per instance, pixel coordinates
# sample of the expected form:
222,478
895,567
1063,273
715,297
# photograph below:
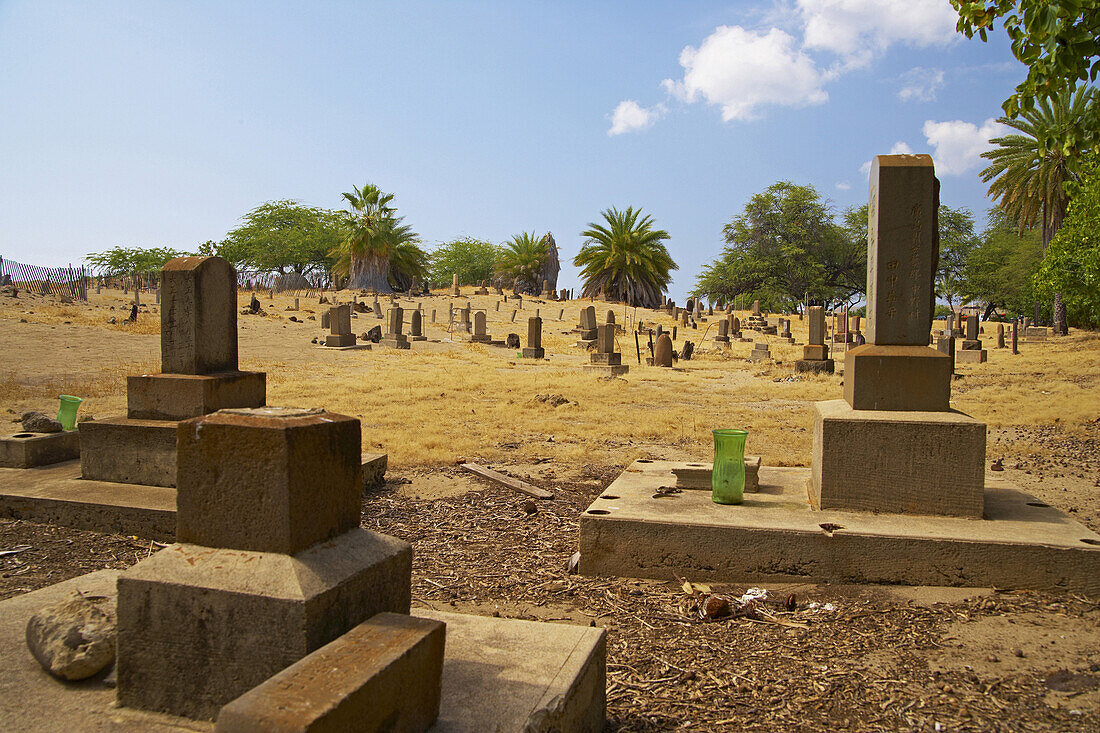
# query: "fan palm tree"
1029,170
521,262
625,258
374,231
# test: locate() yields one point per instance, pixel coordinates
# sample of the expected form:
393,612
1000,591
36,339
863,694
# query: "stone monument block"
198,319
662,351
310,493
534,348
897,378
904,245
904,462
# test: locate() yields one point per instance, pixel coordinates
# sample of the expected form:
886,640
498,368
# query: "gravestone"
605,359
376,307
480,335
395,323
971,351
416,327
1000,335
756,308
760,352
534,348
896,388
662,351
269,562
587,328
815,354
723,336
454,285
340,333
199,375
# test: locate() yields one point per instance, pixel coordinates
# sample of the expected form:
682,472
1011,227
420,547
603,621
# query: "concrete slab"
357,347
632,530
27,450
498,675
56,494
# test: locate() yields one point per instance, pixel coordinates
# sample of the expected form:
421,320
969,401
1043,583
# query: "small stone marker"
480,335
723,336
416,327
394,338
815,355
662,351
339,319
1000,335
971,351
760,352
454,285
534,348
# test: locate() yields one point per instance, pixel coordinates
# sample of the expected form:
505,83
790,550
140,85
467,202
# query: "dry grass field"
884,659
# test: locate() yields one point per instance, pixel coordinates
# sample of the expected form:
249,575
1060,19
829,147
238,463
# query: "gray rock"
75,638
40,422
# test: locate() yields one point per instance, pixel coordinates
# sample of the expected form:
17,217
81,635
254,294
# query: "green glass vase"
67,414
727,477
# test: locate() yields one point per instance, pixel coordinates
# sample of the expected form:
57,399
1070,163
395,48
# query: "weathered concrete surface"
183,396
607,370
508,675
897,378
199,626
907,462
775,535
57,495
129,451
498,674
382,675
27,450
971,356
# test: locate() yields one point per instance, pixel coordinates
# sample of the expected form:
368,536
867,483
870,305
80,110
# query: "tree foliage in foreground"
471,259
1058,40
785,247
1072,262
625,258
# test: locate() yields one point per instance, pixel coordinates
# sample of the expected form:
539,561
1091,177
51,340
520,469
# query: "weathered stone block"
815,351
897,378
529,353
183,396
904,462
901,256
970,356
294,473
815,366
128,451
340,339
198,318
199,626
27,450
612,359
384,674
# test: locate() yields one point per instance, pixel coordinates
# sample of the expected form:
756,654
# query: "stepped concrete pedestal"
634,530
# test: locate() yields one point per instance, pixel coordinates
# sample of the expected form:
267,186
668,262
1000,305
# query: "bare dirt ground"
843,658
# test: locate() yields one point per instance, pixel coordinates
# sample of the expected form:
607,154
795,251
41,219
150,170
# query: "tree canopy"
998,269
1057,40
785,247
1072,262
132,261
282,237
374,235
520,262
471,259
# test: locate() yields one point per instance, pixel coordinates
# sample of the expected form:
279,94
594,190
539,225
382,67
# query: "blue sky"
161,124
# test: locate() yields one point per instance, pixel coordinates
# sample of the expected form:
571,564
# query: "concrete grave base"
183,396
418,338
498,675
633,530
340,339
199,626
971,356
815,366
57,494
906,462
533,353
129,451
393,343
27,450
608,370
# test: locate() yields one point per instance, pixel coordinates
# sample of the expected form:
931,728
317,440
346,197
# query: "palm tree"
409,263
374,231
625,258
521,262
1029,170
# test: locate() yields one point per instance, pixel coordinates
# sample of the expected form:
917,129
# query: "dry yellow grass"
441,401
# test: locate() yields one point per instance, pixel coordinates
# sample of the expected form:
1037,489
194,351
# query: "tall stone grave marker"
534,349
815,354
605,359
662,351
395,323
339,321
199,375
896,388
454,285
972,351
416,326
480,335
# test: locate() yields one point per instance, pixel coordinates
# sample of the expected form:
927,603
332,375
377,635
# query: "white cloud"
629,116
843,186
857,29
741,70
920,84
957,145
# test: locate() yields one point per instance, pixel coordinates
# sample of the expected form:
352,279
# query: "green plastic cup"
67,414
727,477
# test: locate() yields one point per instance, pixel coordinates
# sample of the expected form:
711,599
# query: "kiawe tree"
625,258
1072,262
